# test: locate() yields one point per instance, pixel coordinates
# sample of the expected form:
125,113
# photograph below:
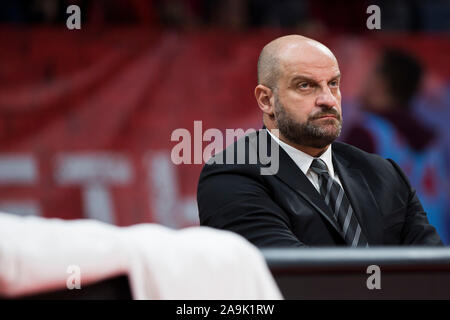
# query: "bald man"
323,193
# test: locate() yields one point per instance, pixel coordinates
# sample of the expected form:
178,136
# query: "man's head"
298,91
393,82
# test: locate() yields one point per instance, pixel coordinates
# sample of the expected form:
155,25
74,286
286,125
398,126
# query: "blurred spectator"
389,128
399,15
415,15
281,14
46,10
388,93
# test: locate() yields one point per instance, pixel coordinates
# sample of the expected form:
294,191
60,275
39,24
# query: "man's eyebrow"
309,79
302,78
338,76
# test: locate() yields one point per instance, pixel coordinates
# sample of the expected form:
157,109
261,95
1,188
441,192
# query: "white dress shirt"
304,160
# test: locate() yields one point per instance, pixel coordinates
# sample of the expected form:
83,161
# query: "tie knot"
319,167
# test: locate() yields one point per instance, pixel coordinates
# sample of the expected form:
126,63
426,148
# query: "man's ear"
264,97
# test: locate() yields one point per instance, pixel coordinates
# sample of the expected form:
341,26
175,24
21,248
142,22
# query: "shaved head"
274,55
298,92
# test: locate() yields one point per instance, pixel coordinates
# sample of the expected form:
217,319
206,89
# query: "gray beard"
306,134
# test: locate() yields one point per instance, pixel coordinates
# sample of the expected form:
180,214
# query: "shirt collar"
304,160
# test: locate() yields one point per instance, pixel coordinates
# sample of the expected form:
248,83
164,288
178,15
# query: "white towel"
193,263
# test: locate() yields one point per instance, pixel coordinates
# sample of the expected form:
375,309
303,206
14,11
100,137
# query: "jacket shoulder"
240,156
369,163
352,152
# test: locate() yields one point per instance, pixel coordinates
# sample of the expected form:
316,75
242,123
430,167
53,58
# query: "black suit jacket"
285,209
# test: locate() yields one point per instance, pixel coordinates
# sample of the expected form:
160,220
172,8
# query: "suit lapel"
360,197
291,174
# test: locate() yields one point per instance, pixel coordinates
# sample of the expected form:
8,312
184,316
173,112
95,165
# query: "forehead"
316,62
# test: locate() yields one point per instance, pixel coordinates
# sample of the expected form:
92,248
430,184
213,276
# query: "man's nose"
326,99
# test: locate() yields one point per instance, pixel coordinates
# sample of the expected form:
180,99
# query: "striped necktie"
341,208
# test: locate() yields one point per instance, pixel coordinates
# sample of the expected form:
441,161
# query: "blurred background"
86,116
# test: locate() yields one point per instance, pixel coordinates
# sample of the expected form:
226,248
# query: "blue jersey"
426,169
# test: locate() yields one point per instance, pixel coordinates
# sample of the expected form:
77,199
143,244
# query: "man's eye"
303,85
334,83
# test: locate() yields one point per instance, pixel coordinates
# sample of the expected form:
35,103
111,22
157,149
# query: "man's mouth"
326,116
